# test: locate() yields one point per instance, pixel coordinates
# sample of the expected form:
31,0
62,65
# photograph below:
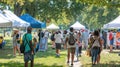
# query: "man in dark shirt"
39,35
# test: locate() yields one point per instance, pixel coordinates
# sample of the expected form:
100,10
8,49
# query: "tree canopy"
91,13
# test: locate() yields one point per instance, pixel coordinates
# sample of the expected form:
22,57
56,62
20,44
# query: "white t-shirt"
58,38
46,34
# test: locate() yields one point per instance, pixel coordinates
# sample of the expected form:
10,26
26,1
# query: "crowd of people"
73,41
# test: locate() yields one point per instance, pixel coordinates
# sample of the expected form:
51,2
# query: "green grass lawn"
107,60
48,59
42,59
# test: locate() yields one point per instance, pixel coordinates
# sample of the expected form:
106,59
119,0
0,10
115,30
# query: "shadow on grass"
18,64
6,52
115,52
110,64
49,52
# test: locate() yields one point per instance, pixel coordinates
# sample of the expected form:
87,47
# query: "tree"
88,12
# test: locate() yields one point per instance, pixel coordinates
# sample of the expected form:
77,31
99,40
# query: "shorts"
28,56
111,42
72,49
71,46
58,45
15,44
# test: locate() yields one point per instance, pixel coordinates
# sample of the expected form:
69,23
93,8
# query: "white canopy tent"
14,21
113,24
52,26
77,25
4,22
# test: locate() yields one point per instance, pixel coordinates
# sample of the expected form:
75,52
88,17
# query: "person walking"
96,47
64,37
46,35
39,35
70,41
111,38
78,46
29,48
85,37
104,37
53,40
58,41
15,42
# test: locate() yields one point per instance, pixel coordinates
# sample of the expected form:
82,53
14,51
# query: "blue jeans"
42,47
85,43
94,54
77,51
46,43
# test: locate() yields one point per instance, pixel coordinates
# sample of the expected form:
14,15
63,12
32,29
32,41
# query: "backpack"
22,46
96,43
52,37
71,40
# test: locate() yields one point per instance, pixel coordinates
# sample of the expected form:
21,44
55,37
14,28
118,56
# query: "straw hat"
15,29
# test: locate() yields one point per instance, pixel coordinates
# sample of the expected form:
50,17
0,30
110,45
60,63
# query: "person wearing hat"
15,44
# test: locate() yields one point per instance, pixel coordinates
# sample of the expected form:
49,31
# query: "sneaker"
67,62
71,64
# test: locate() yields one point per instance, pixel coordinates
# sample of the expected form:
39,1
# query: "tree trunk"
17,9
